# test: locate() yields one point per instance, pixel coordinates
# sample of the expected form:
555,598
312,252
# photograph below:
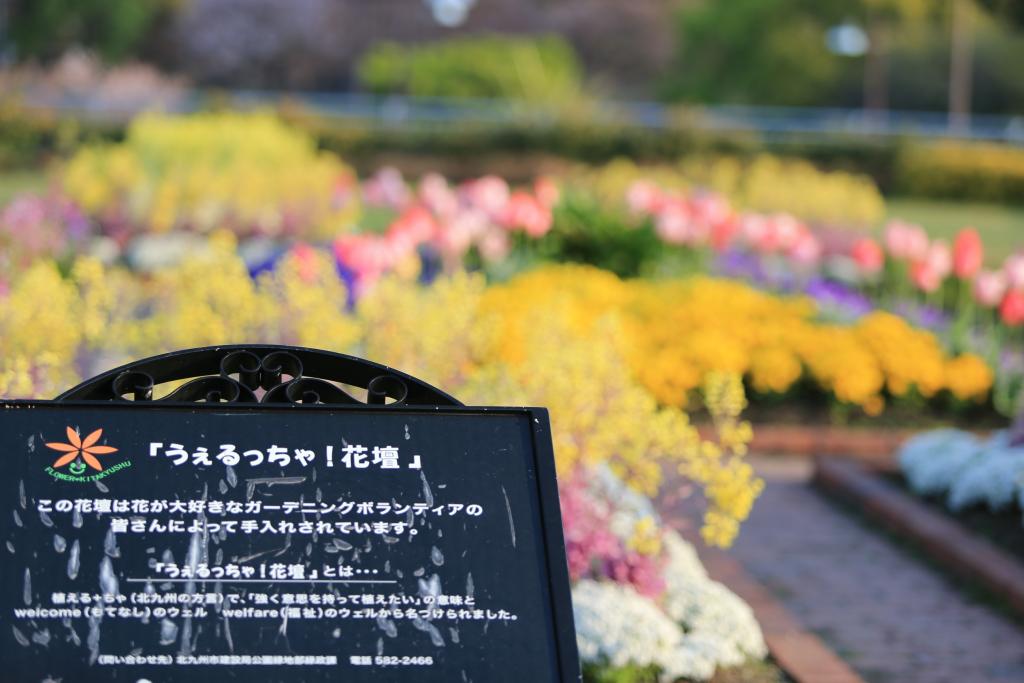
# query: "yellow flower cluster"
40,333
431,332
611,358
486,345
249,172
771,184
678,332
99,317
600,415
969,377
953,170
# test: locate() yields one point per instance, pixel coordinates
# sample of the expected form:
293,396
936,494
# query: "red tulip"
723,232
868,255
1012,308
968,253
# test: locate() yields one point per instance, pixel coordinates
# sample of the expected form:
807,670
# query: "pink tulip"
968,253
386,188
644,197
524,211
905,241
711,209
437,196
925,277
416,225
940,258
455,236
1014,269
759,232
788,231
989,288
494,246
674,224
868,255
546,191
489,193
806,251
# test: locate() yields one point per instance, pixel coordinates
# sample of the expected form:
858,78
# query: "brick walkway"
892,618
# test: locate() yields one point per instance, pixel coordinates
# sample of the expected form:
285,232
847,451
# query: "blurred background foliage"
562,73
543,69
778,52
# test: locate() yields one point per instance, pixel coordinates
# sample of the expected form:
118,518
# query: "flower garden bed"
953,545
1002,528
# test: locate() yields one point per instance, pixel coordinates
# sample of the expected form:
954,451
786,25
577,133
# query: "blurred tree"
774,51
1009,9
920,66
261,43
961,62
755,51
44,29
883,18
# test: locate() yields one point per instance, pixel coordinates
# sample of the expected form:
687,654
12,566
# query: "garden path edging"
798,652
943,539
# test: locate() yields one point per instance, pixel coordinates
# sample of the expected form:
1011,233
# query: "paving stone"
891,617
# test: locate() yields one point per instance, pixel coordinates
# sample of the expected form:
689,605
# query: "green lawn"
1001,227
16,182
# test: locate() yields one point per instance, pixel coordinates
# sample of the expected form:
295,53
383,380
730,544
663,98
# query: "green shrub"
543,69
584,231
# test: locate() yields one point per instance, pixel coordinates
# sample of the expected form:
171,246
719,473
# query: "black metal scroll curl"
259,374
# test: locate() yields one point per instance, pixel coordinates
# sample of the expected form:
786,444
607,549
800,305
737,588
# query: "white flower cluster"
713,616
617,626
965,469
697,626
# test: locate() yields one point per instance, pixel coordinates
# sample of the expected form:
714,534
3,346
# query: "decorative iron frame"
266,376
259,374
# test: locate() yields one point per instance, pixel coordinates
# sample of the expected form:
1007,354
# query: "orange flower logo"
78,446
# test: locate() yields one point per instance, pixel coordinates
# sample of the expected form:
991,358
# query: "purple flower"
836,300
922,315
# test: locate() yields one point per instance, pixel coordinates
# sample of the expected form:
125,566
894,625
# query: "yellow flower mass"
207,171
613,360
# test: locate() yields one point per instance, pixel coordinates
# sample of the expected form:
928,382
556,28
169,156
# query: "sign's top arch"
259,373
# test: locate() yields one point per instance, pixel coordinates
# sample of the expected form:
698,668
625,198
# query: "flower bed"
825,310
965,471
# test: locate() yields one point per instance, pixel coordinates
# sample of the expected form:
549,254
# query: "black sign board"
185,542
